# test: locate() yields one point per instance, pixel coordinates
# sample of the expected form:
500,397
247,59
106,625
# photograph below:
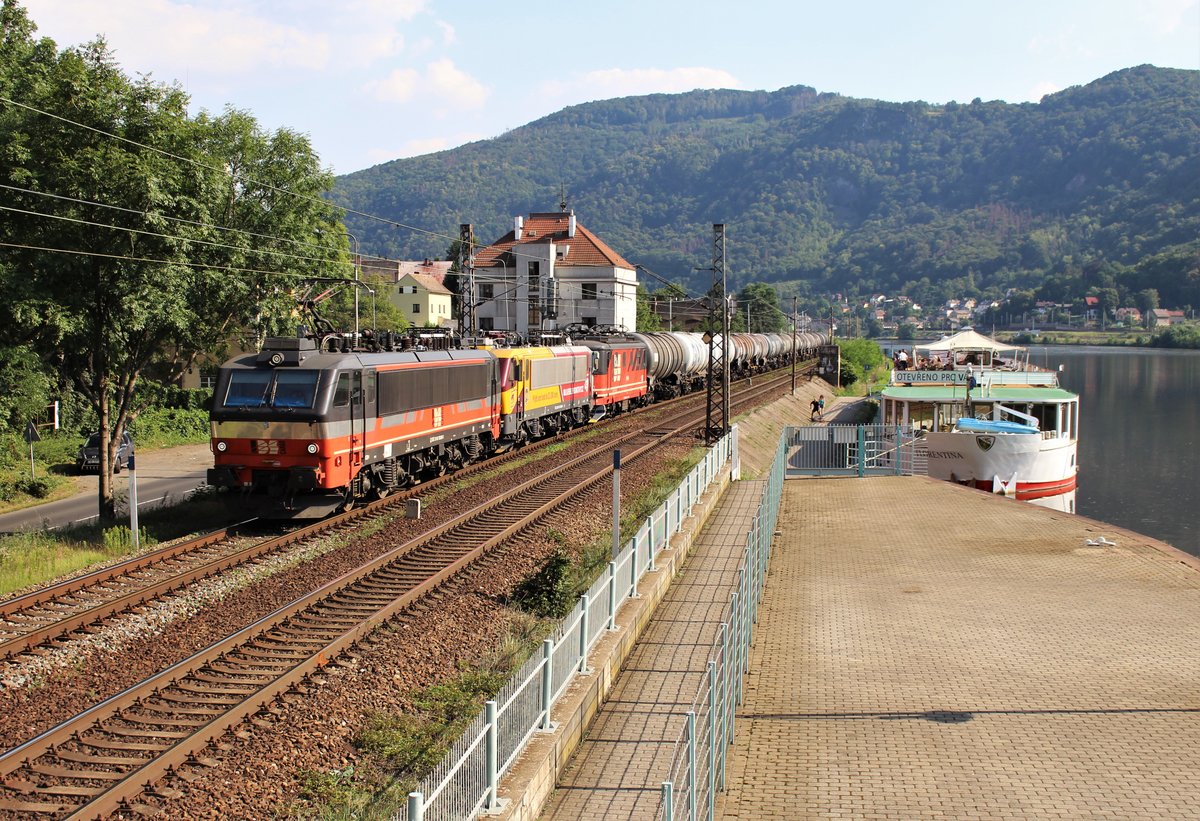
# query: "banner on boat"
943,377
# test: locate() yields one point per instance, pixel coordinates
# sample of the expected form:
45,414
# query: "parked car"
88,458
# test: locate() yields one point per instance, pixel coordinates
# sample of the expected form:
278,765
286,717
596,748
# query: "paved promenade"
617,773
925,651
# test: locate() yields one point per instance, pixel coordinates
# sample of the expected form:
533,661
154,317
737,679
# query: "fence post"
726,713
416,806
691,739
612,595
862,451
547,682
899,449
712,739
736,471
489,715
652,565
583,634
668,799
633,567
735,642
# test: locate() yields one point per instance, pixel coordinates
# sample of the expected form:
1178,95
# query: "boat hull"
1024,466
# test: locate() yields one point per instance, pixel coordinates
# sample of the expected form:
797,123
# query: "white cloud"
440,86
449,37
617,82
397,87
171,38
1168,16
455,86
1043,88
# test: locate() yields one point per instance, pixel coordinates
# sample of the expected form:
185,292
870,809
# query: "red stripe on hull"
1033,490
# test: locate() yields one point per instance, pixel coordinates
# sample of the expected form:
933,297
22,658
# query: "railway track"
52,614
99,761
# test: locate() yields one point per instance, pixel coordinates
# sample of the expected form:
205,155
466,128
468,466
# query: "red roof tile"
586,247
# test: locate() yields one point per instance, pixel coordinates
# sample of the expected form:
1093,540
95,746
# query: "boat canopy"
967,340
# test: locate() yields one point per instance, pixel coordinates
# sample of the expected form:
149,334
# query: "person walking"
816,409
821,407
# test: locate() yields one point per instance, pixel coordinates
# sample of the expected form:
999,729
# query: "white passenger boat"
988,418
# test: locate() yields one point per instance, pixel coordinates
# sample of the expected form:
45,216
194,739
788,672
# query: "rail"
464,783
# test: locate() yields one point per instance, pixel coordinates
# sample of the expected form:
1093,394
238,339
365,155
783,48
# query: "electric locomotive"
312,428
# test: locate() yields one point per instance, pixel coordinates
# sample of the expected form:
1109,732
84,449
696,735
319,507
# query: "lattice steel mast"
716,419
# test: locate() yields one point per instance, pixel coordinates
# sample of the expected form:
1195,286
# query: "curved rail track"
98,762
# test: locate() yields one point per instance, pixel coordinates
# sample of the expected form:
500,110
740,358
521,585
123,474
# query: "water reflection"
1139,441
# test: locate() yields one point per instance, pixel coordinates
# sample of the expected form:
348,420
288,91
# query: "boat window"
248,389
982,410
921,415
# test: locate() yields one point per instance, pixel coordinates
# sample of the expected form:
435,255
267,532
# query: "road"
163,477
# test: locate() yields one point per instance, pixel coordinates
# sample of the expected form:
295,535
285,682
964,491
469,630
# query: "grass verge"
33,558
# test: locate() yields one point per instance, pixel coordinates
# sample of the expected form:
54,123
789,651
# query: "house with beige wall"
422,299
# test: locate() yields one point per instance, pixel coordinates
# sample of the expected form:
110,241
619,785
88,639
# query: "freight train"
307,426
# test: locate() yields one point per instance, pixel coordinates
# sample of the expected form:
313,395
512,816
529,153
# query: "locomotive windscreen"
279,389
413,389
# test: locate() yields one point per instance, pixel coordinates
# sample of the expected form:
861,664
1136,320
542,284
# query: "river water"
1139,437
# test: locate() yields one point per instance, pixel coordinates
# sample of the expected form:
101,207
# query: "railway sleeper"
33,806
67,772
128,746
147,732
91,758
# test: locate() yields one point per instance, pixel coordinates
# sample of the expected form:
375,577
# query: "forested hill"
1095,186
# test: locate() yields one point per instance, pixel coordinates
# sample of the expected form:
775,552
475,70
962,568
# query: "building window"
487,291
590,321
589,291
208,379
416,307
486,324
535,270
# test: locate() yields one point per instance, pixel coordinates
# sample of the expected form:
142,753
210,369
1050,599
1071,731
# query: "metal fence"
697,770
463,785
851,450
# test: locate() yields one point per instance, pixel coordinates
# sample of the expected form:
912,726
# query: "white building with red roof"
550,272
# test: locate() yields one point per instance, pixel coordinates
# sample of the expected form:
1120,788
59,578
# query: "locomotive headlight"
222,446
312,448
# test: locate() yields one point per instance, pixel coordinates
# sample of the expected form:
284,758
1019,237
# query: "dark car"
88,458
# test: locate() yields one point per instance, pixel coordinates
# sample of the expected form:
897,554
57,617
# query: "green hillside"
1095,186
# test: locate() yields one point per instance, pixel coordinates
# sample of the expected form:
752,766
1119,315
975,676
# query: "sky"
375,80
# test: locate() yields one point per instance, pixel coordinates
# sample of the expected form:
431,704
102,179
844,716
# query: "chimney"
571,225
518,224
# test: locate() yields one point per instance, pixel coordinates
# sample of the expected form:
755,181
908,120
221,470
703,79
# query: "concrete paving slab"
928,651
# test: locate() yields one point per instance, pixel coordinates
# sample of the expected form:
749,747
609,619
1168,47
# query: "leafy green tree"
647,319
181,232
1147,301
24,387
760,302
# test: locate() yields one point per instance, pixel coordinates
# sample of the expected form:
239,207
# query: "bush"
164,427
549,593
1177,336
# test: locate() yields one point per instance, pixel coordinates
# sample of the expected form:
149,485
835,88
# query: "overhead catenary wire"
189,240
264,185
168,218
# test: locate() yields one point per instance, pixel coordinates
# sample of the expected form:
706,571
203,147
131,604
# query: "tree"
1147,301
761,302
181,232
647,319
